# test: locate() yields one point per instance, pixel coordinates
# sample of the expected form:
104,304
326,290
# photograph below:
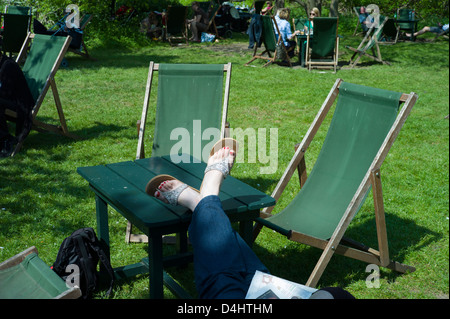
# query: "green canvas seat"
16,26
365,124
18,10
191,112
272,45
82,50
369,42
42,62
175,24
405,15
390,31
322,48
26,276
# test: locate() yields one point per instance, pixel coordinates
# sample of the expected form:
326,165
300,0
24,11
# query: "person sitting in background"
309,25
150,26
440,28
268,9
286,34
363,19
199,23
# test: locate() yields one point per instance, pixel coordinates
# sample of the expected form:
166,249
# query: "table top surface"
122,185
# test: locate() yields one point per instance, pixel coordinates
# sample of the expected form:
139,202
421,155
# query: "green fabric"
361,121
176,18
40,61
300,23
404,14
18,10
324,39
31,279
15,31
187,92
268,33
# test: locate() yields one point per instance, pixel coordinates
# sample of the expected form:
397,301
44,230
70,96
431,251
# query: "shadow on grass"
296,261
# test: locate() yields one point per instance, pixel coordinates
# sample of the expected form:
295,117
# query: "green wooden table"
122,186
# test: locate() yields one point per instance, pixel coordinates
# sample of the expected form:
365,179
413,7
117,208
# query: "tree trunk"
334,8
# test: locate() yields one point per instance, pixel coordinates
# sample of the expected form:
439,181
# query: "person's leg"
223,263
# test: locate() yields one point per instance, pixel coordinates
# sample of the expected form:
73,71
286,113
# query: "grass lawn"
43,199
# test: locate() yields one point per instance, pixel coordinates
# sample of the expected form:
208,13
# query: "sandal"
172,195
222,166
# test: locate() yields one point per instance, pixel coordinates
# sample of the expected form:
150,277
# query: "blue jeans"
224,264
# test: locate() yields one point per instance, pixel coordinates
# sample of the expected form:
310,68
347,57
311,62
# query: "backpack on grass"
79,255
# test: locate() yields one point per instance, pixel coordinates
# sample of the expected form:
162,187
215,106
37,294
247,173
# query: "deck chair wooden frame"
372,179
268,47
140,153
214,9
320,63
180,23
370,41
50,83
70,293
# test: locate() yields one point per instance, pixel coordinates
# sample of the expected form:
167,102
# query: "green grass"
43,199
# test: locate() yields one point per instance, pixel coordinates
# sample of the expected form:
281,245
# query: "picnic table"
122,186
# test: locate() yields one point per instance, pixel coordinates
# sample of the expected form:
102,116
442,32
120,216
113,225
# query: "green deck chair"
42,62
82,50
271,44
364,126
322,48
369,42
26,276
406,14
175,24
16,25
192,102
390,32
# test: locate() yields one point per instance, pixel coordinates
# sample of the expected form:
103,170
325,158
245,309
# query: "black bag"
83,249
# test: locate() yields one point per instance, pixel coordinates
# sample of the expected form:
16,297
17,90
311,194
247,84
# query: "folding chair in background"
82,49
322,48
390,31
16,22
364,126
369,42
271,44
190,97
214,9
42,62
175,24
408,22
26,276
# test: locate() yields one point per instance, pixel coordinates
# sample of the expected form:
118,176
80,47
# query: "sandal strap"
172,195
221,166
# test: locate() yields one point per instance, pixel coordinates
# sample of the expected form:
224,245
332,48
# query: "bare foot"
213,178
188,198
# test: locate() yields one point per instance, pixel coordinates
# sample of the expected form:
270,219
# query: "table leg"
101,208
155,259
246,231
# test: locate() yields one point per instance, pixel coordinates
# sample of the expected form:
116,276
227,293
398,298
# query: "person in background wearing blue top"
284,26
